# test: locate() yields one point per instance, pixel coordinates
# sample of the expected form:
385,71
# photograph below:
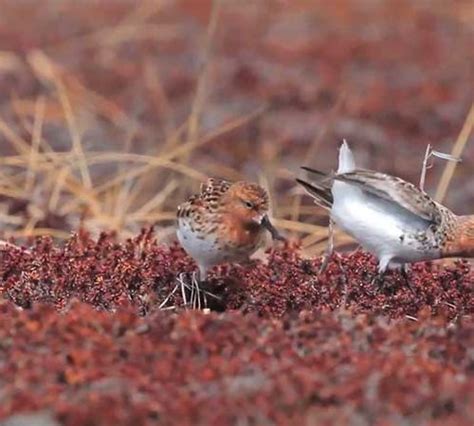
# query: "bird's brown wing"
209,195
395,190
214,188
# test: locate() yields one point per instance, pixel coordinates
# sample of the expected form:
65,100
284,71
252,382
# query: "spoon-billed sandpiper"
389,217
225,222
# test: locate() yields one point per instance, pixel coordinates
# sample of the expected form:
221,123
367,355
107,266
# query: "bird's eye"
249,204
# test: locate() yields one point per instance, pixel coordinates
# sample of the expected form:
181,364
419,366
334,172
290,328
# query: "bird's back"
387,215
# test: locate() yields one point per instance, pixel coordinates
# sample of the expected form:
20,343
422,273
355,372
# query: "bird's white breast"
206,249
378,226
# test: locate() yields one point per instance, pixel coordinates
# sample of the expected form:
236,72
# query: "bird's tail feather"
322,195
346,159
322,188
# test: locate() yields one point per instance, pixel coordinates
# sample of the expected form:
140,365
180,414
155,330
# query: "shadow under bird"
225,222
390,217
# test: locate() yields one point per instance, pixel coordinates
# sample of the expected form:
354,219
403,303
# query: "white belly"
205,251
380,230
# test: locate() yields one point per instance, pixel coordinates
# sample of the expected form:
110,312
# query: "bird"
225,222
388,216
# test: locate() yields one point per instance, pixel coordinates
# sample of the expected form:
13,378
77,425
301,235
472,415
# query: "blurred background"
111,112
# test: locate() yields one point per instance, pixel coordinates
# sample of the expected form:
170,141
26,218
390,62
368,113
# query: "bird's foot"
404,271
193,291
379,282
383,284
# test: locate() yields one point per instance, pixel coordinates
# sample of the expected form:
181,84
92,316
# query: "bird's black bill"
273,231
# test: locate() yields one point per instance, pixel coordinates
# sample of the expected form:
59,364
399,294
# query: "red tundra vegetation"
112,112
82,338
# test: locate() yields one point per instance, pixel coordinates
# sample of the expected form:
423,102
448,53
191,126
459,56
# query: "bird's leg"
202,273
329,248
343,277
382,269
378,279
404,271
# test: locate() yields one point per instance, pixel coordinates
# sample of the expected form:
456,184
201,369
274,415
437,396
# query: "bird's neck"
241,230
463,242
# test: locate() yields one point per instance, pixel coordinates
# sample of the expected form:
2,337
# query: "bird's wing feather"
210,193
395,190
214,187
346,159
319,187
322,195
315,174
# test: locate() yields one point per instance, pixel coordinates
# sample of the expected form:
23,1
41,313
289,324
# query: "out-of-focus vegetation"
112,112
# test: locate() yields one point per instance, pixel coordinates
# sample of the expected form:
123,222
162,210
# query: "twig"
425,167
411,318
196,292
183,285
35,143
193,122
457,150
74,132
432,153
162,304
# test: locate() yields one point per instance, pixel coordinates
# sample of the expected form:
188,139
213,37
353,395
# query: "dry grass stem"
456,152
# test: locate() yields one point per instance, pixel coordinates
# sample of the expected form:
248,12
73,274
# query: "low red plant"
82,336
